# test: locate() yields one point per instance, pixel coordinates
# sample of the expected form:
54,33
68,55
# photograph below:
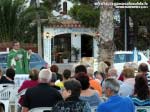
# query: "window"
122,58
119,58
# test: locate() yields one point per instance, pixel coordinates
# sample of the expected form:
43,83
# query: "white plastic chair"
142,109
18,96
8,95
6,92
6,104
2,86
41,109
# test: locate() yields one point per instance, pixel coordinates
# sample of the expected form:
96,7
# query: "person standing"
18,59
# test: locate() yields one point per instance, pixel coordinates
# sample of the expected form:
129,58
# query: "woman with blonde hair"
103,67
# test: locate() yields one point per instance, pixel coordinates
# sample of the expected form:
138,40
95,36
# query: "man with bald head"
41,95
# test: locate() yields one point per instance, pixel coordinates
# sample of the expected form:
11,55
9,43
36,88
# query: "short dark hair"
66,73
14,42
80,68
143,67
83,79
74,86
54,68
10,72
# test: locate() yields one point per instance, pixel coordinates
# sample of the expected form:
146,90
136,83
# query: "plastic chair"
41,109
6,104
142,109
17,97
6,92
2,86
8,95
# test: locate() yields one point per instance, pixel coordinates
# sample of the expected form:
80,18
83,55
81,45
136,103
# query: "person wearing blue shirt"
115,103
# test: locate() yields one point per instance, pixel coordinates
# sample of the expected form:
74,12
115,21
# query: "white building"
59,38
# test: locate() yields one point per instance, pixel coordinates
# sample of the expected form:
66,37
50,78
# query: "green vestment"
20,66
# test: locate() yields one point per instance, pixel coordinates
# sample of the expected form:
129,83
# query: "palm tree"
106,31
9,18
17,20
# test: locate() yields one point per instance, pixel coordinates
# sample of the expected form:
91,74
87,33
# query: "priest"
18,59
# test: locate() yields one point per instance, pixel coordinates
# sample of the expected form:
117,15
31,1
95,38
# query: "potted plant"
65,56
75,52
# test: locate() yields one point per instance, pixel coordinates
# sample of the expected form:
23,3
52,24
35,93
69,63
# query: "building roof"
66,24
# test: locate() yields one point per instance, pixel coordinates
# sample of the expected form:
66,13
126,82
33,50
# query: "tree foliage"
52,4
9,19
17,21
88,15
140,17
83,1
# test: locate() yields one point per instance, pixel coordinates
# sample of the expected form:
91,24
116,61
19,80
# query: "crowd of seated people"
83,90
